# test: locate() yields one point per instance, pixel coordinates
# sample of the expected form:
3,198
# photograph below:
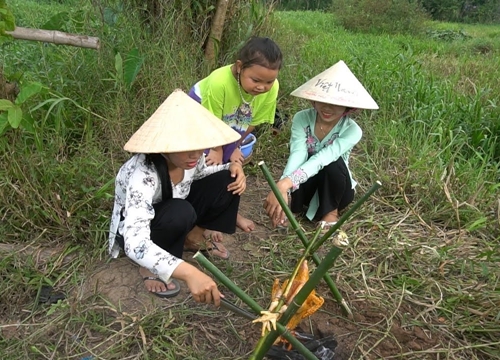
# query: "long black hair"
260,51
160,163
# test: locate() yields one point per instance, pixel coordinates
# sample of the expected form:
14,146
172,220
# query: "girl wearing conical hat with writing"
317,174
166,196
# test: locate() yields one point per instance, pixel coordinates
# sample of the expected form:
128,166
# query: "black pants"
209,205
334,189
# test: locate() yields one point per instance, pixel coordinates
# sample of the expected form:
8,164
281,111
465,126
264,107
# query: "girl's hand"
214,157
204,289
239,185
273,207
237,156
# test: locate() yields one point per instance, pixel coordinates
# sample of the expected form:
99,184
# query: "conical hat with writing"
180,124
337,85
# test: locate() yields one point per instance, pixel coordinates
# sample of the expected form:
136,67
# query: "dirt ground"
372,333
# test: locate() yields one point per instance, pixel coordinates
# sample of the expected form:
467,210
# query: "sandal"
283,227
326,226
213,250
169,293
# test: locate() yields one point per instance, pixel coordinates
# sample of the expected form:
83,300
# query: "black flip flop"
209,252
170,292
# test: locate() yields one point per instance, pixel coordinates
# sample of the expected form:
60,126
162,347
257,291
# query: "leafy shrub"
482,11
448,35
380,16
443,9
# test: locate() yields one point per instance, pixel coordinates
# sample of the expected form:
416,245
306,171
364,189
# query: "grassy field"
424,251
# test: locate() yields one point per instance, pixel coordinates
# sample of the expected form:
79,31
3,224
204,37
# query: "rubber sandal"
170,292
49,296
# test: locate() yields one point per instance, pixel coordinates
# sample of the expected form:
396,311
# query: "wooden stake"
55,37
216,30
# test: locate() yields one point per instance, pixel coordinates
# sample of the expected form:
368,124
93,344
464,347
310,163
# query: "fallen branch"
55,37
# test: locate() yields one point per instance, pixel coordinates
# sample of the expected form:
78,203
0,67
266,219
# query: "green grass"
424,249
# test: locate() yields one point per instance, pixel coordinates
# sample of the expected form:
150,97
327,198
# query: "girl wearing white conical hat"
167,199
317,174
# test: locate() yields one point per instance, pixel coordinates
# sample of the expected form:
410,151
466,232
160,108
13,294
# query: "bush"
305,4
469,11
380,16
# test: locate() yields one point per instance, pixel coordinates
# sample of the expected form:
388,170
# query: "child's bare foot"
214,235
332,216
205,240
244,224
155,286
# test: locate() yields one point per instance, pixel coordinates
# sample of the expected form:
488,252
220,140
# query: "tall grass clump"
444,144
380,16
484,11
450,140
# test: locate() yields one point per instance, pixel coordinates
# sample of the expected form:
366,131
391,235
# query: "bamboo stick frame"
321,271
281,329
302,236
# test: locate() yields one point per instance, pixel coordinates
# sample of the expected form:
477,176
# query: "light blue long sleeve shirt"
308,155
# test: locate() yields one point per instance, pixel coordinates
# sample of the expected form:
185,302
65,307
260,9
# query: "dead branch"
55,37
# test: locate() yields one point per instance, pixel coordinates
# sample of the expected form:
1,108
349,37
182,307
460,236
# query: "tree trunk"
216,30
55,37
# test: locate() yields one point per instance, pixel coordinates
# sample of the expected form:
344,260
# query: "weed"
448,35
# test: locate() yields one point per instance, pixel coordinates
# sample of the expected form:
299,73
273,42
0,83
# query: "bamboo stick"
55,37
306,254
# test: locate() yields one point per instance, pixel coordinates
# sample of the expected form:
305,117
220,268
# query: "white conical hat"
180,124
337,85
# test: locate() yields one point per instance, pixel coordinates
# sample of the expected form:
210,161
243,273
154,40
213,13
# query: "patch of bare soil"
372,333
